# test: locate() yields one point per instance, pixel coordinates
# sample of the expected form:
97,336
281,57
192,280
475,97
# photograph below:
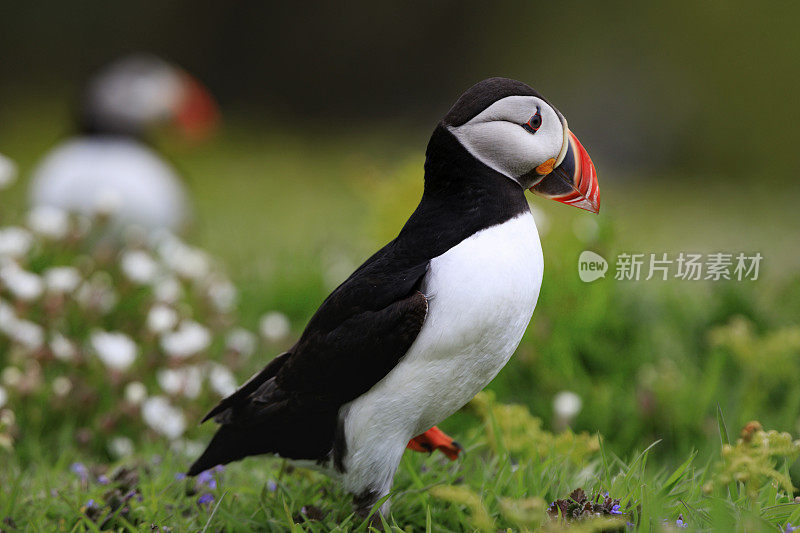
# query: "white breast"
84,174
481,296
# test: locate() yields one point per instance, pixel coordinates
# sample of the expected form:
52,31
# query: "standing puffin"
427,322
109,167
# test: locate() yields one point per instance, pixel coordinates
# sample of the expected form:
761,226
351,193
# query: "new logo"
591,266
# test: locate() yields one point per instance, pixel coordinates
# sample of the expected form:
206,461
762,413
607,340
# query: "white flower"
8,172
61,386
222,380
28,334
241,341
167,290
567,405
7,318
160,415
23,332
3,396
63,279
24,285
120,447
161,318
139,267
222,294
169,380
135,392
186,261
107,202
274,326
11,376
15,241
186,381
189,339
116,350
62,347
49,221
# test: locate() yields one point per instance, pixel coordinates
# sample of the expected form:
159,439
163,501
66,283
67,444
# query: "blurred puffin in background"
109,167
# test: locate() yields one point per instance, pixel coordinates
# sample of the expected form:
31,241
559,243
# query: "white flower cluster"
144,320
8,172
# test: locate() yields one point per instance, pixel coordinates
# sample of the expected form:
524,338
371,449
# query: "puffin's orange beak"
573,182
197,114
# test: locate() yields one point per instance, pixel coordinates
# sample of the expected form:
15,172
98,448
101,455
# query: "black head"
509,127
483,94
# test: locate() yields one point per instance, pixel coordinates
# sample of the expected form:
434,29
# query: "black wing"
356,337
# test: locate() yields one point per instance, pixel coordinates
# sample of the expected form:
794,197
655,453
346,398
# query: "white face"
505,136
136,90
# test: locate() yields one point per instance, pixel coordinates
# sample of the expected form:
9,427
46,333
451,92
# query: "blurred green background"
685,107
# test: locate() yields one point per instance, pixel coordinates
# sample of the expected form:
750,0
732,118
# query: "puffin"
109,167
430,319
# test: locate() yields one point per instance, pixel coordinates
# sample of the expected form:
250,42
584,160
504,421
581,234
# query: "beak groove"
574,181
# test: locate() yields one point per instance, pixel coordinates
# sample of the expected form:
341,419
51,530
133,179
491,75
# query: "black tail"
290,433
228,445
260,418
232,442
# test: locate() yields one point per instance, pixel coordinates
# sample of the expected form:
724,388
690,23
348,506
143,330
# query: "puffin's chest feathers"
481,295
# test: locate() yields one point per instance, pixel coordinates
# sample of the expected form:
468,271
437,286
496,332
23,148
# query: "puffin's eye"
534,122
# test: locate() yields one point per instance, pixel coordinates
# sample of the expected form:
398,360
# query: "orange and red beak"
197,113
573,181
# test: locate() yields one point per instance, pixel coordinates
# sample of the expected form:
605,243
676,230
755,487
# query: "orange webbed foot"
435,439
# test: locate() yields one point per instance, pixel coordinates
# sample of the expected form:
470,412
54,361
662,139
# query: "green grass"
288,212
500,482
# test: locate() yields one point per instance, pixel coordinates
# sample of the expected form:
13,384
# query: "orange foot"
435,439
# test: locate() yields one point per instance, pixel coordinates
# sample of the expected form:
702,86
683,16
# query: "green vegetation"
668,373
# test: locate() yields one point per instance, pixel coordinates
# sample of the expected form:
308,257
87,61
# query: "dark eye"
534,122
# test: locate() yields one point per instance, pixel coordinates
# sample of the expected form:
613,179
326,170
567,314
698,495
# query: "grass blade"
723,429
216,507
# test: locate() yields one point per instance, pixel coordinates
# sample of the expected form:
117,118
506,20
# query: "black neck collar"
462,196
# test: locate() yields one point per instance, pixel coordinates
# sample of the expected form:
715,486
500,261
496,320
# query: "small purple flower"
219,468
206,499
272,486
90,504
103,479
180,476
789,528
207,478
616,510
132,494
80,470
